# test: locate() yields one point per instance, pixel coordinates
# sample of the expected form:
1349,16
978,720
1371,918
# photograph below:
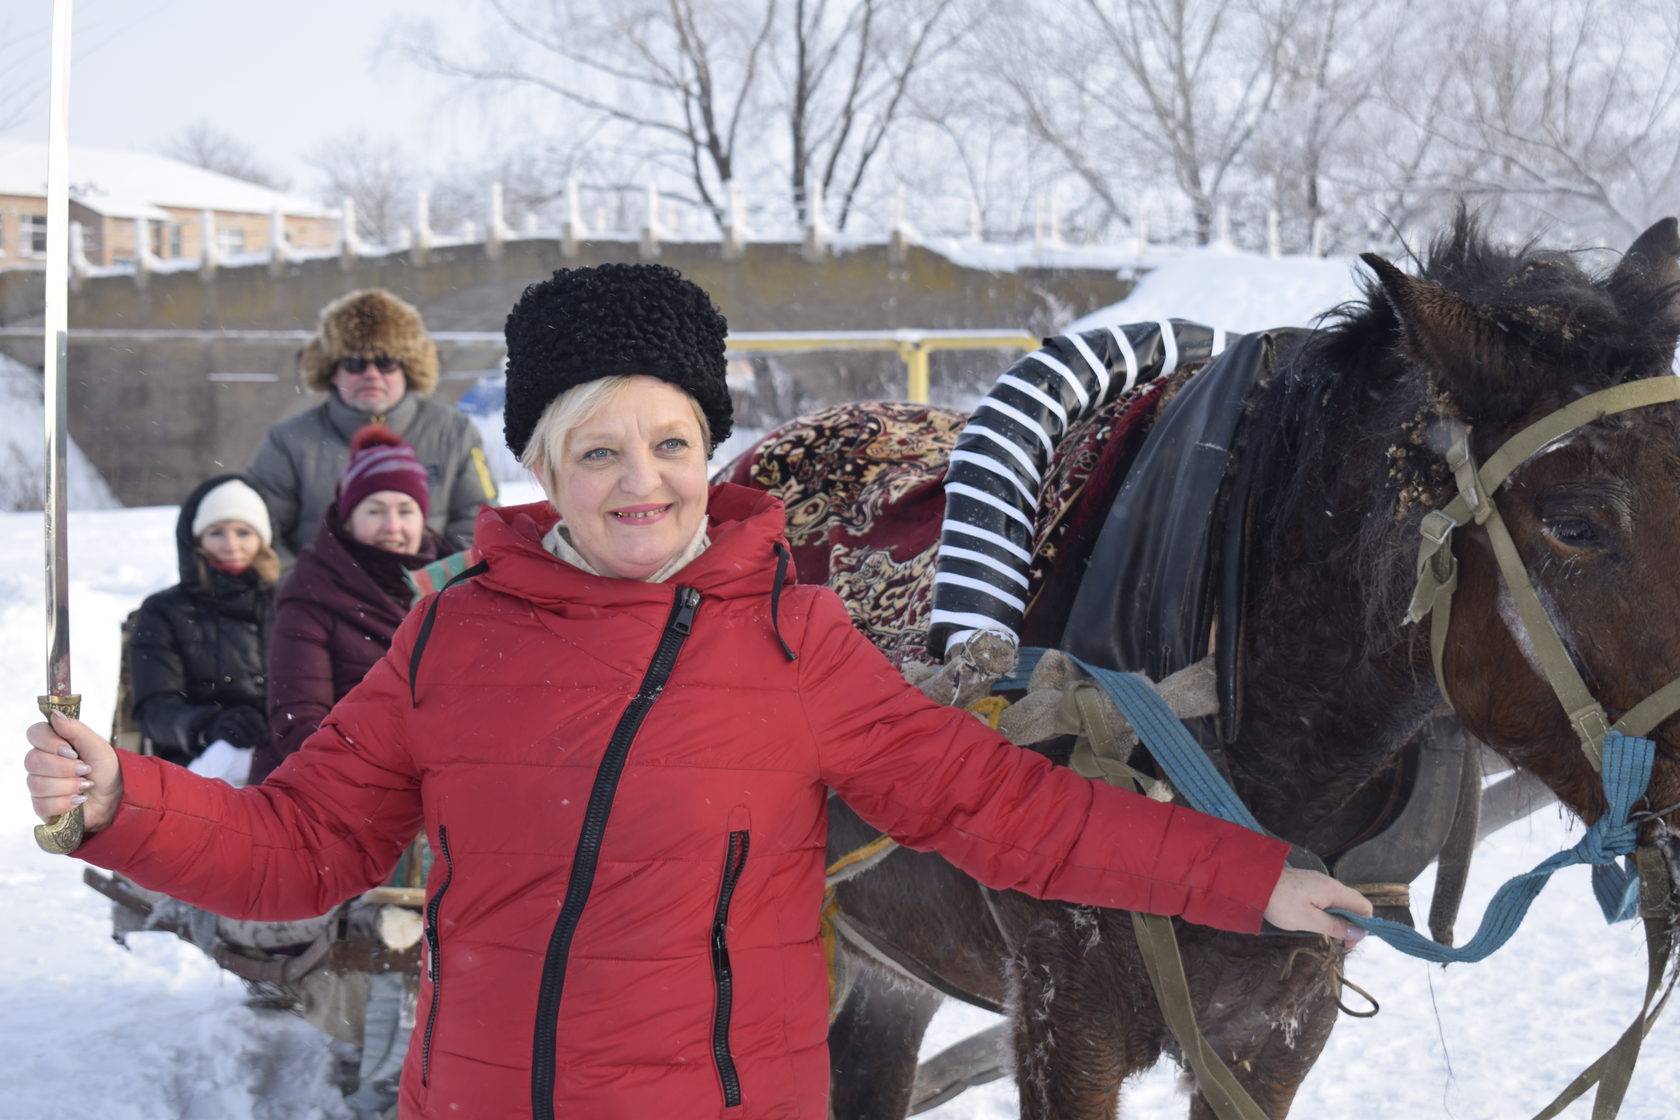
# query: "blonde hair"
575,406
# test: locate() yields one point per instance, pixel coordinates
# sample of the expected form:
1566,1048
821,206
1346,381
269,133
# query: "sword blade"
56,337
62,833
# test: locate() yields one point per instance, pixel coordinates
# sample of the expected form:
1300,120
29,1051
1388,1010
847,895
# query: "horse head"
1503,342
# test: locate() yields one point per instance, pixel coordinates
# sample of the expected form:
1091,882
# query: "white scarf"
559,543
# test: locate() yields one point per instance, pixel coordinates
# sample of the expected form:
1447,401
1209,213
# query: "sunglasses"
358,365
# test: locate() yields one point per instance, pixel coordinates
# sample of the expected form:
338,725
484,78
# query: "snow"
124,184
158,1032
23,448
1232,289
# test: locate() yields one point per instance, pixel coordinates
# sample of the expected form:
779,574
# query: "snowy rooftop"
121,184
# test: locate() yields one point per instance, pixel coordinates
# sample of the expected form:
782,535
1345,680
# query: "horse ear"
1445,332
1650,270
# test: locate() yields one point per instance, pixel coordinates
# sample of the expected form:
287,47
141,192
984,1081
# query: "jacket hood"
745,527
186,545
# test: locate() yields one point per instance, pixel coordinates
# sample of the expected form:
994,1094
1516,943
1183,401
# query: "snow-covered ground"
157,1032
23,448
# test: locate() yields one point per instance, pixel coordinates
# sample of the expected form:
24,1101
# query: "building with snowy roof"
124,201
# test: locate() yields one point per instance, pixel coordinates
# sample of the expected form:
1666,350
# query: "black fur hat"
586,323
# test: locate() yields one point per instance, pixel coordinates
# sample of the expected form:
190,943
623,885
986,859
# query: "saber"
61,834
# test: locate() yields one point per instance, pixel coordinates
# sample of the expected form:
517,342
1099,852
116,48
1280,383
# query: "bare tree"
966,162
713,92
1155,88
202,145
1558,113
375,174
1308,148
850,69
675,79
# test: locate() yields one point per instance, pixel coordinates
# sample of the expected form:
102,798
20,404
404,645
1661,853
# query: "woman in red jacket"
335,614
618,735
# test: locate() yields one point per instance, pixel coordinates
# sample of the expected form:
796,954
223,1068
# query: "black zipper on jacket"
434,966
677,628
734,864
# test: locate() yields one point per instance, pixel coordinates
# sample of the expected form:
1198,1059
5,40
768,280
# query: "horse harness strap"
1437,569
1614,1069
1158,942
1626,772
1191,772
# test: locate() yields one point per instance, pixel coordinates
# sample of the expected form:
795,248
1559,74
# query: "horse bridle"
1437,568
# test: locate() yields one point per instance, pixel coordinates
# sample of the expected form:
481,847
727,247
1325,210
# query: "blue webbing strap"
1626,772
1186,765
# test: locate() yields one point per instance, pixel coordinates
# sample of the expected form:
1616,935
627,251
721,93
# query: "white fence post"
815,246
349,247
898,240
734,226
1318,237
1274,241
142,251
421,250
210,255
278,253
78,255
572,229
1222,225
495,230
650,232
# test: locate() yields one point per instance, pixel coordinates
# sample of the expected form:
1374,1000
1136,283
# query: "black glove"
240,726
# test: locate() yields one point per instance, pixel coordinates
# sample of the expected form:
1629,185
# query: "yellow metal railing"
913,346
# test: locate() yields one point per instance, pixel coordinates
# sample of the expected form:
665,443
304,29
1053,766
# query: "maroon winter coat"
334,616
626,789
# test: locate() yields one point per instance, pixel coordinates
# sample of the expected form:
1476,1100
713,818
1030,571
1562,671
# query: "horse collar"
1437,568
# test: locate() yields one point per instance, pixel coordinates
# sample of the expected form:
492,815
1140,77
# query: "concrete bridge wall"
155,415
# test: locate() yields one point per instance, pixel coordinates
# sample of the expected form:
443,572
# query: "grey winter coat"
298,465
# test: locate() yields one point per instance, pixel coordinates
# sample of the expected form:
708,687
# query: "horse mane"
1555,331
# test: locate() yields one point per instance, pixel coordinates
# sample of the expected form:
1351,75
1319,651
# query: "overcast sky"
279,76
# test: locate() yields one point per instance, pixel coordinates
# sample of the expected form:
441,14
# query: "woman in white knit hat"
198,651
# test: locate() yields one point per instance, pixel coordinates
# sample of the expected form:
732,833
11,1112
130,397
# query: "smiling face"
232,544
388,519
629,479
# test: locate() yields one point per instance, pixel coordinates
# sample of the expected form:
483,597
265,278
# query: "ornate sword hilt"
61,834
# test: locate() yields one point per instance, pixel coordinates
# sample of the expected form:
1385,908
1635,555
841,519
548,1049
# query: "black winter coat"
199,648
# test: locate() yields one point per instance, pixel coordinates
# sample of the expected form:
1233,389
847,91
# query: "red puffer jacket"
625,789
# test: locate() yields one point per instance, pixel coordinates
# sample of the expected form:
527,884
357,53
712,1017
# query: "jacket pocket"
735,861
434,953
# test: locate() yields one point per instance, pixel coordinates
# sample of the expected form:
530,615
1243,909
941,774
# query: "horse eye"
1576,532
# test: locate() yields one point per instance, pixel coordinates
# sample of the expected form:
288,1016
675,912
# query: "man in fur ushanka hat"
373,359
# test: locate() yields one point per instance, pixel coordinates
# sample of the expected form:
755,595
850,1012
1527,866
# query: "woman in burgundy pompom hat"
335,614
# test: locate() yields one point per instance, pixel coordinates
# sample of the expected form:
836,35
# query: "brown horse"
1345,442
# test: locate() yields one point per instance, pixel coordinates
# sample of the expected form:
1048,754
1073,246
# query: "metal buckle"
1592,725
1443,527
